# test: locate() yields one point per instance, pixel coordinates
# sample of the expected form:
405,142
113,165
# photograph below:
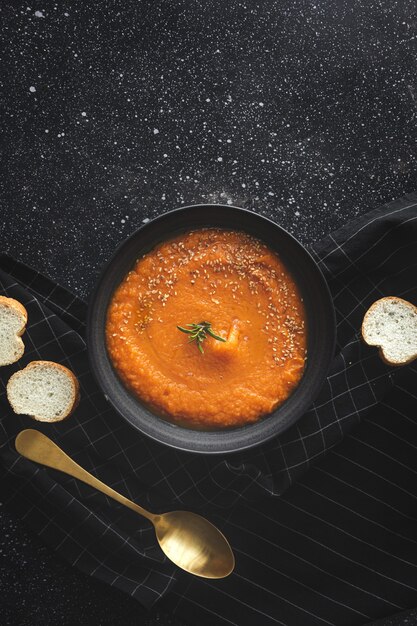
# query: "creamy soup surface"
237,284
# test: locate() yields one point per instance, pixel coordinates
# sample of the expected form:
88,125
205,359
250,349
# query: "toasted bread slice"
13,320
46,391
391,324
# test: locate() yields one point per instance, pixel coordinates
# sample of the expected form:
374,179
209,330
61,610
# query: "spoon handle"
39,448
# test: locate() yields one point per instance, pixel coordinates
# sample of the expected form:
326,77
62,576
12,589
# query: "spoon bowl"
188,540
194,544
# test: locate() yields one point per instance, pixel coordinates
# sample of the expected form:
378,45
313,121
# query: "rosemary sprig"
199,332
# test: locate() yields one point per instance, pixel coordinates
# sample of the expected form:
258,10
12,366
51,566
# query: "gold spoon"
189,540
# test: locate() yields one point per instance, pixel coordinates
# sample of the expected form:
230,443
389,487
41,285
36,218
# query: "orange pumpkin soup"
238,285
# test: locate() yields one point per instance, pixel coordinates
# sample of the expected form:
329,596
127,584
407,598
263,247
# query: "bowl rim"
207,438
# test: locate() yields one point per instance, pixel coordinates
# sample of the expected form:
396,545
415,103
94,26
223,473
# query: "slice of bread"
13,320
391,324
44,390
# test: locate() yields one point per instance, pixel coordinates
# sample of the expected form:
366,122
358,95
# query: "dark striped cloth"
339,547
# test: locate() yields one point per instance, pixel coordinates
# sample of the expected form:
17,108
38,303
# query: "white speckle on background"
39,14
220,159
32,89
146,219
261,104
155,131
46,130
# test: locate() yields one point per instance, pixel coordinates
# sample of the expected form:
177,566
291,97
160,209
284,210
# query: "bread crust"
18,307
381,349
62,368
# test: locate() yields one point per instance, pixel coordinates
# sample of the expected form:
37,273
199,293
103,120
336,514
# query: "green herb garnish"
199,332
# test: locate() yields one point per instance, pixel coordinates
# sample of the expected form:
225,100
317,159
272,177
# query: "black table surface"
114,112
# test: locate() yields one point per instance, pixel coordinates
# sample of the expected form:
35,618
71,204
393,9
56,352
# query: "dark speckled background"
116,111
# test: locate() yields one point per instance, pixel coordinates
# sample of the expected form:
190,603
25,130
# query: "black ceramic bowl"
320,328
